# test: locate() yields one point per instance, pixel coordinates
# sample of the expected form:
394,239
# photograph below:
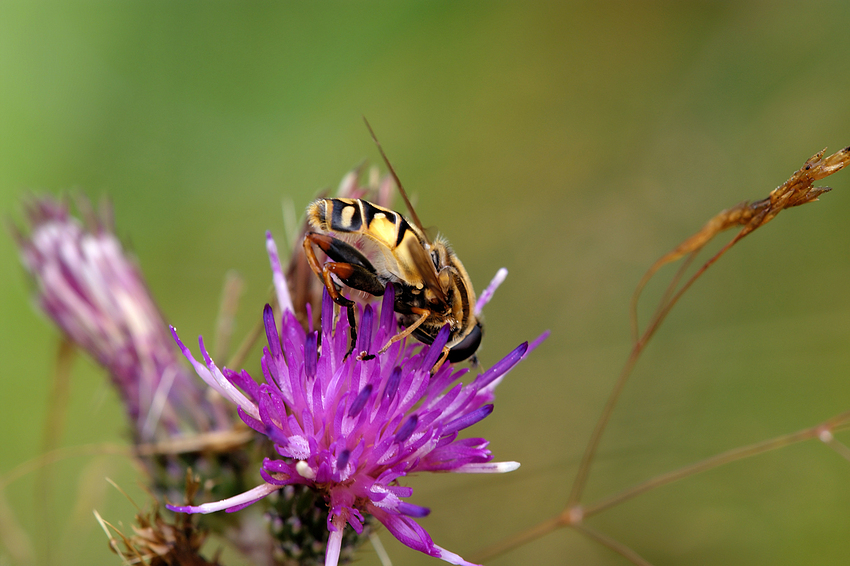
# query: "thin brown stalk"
592,444
113,542
63,453
613,544
637,350
671,299
838,422
665,299
573,516
750,216
702,466
797,190
531,534
218,442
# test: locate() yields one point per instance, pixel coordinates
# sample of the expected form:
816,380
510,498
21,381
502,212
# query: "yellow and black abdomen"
383,235
386,226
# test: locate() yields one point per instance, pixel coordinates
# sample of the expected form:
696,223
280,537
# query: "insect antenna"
410,208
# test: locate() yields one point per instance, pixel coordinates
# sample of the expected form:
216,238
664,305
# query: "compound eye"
468,346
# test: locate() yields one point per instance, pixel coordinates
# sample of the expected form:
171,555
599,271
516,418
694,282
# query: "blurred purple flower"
96,294
350,428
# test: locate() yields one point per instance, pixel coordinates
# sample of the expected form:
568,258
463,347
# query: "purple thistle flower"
349,428
96,294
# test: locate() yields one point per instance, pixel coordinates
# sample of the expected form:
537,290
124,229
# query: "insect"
370,246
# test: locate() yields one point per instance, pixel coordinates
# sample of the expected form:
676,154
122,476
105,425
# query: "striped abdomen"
386,226
390,242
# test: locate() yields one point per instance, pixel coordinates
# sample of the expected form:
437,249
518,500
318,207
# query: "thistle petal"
351,428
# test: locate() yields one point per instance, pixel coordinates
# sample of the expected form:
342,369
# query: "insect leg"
349,266
352,332
423,314
442,359
319,270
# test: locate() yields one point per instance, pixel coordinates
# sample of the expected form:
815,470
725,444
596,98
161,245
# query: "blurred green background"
572,143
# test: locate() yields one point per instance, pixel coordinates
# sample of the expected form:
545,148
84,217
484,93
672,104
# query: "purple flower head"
96,294
350,429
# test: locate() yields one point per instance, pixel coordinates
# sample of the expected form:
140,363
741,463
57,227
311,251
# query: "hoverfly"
370,246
